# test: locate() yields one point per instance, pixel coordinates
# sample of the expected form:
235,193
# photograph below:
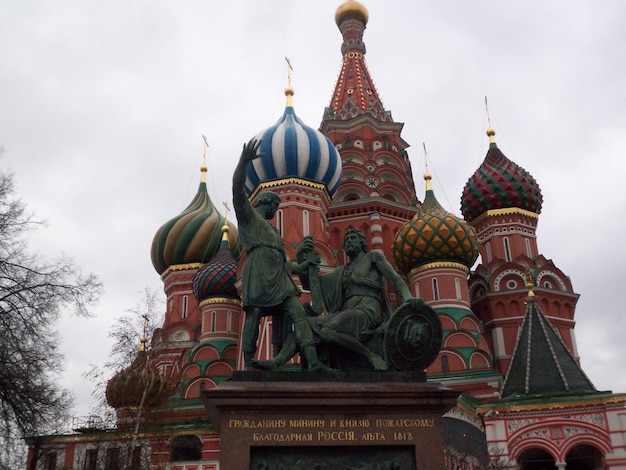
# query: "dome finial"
530,283
351,9
427,176
491,132
289,91
203,167
143,340
225,228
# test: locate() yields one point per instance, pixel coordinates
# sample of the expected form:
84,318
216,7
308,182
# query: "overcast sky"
103,104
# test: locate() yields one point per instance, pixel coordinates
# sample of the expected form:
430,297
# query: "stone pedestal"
325,421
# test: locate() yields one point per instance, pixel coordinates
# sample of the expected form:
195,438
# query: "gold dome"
351,9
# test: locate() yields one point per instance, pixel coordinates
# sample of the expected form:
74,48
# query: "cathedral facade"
506,309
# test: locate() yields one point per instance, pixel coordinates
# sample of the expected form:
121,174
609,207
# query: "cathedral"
506,309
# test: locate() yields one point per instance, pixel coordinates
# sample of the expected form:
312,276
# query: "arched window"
213,320
435,289
445,366
488,247
186,447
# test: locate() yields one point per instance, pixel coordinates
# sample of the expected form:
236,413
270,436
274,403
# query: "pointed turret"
355,93
377,185
541,362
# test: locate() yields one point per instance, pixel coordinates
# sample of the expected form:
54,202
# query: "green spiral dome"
193,236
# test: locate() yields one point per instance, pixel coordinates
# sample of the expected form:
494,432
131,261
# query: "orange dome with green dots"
434,234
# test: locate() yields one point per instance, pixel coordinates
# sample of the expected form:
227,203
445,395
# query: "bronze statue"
268,288
354,296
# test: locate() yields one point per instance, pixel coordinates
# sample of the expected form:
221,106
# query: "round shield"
412,338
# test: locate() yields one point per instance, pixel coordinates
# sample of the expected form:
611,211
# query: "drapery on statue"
354,295
268,288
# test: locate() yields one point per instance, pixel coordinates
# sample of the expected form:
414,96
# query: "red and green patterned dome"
193,236
499,183
217,278
434,234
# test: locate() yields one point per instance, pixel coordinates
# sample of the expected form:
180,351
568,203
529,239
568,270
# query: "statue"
354,295
268,288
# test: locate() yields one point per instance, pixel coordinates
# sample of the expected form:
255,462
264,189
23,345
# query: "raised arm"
249,153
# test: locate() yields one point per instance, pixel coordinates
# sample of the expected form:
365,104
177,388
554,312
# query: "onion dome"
294,150
194,235
351,10
434,234
217,278
126,388
499,183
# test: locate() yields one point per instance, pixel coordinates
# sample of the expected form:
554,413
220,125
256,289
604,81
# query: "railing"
86,424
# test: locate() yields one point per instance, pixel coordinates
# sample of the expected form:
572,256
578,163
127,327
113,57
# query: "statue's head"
267,202
354,239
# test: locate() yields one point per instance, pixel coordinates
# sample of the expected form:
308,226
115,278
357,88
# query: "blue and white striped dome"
294,150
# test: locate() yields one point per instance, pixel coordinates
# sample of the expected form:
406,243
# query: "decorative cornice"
438,264
181,267
286,181
220,300
545,405
505,211
114,434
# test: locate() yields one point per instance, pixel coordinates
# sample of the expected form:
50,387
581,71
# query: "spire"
354,92
203,167
427,176
491,132
143,340
289,91
225,228
541,362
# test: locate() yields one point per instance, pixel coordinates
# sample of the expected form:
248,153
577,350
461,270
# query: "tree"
130,450
34,292
126,332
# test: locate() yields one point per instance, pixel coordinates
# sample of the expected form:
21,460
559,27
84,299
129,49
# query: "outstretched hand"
250,151
416,303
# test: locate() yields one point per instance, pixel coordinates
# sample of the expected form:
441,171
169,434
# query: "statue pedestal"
329,421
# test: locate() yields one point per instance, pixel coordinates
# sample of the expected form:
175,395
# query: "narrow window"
435,289
185,305
213,321
51,461
135,462
528,250
112,461
229,321
91,459
279,221
457,288
305,223
488,246
507,250
445,366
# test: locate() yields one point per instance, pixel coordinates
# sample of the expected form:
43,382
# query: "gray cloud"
103,105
